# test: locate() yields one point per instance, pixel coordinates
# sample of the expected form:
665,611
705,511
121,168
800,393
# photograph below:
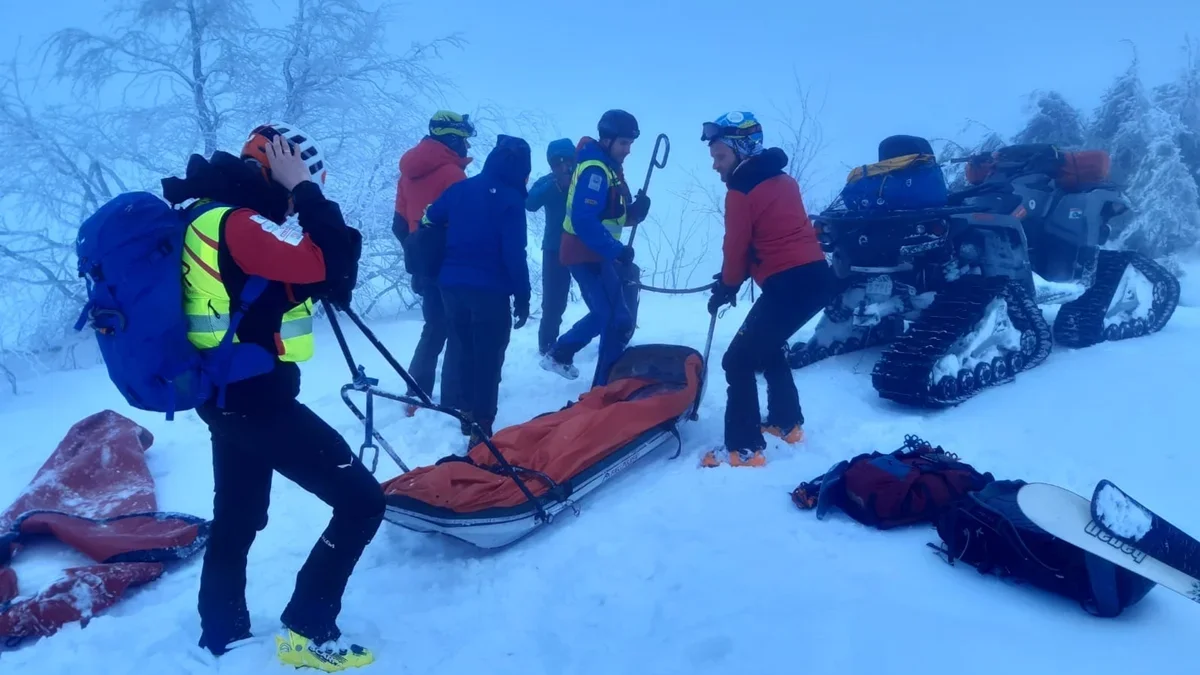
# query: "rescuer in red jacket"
768,237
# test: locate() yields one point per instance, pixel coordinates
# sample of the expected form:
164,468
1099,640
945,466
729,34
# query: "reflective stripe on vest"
207,304
613,225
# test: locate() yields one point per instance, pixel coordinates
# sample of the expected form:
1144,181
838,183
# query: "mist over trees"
121,106
1153,138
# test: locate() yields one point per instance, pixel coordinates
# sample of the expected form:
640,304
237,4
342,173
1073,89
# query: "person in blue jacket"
550,192
484,266
599,207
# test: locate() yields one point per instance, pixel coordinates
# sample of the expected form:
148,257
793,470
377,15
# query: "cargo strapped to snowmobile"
642,375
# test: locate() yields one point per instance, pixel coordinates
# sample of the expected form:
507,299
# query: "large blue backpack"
130,253
907,182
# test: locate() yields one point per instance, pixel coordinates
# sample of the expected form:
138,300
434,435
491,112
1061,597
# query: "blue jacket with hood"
485,224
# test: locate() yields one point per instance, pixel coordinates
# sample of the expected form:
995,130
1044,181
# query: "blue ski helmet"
739,130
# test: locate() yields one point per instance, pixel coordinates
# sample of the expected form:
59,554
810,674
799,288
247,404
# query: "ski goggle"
713,131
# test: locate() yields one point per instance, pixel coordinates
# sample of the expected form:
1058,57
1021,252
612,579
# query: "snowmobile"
956,289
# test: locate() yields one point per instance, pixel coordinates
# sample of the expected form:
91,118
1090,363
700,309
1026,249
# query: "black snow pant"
631,277
480,327
247,449
789,300
556,290
434,335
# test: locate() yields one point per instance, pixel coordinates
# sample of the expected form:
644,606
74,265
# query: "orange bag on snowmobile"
1083,167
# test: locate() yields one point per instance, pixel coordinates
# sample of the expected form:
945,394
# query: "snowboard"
1124,518
1068,516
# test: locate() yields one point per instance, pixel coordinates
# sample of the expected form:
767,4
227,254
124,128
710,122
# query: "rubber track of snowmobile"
1080,323
904,372
804,354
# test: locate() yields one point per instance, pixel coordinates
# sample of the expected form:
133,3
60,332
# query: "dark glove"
721,295
626,255
344,274
399,227
639,209
521,311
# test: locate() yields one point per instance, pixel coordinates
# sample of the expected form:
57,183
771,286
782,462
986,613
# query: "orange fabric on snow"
95,494
560,445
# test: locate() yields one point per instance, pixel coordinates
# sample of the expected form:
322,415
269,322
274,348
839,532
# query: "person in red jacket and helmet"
769,237
238,211
437,162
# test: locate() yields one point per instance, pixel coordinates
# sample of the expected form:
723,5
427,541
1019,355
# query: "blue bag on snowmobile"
907,182
130,254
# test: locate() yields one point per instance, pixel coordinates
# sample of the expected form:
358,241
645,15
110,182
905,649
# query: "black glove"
639,209
521,311
721,295
399,227
625,257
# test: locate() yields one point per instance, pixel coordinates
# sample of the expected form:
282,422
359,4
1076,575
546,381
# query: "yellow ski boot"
293,649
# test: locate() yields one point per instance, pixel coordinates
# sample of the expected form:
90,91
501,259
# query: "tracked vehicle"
955,289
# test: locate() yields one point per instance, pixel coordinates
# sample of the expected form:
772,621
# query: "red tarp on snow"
96,495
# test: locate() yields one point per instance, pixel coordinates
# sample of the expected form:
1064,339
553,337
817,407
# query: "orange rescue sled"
560,457
525,475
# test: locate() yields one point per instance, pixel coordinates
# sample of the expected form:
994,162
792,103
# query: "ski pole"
654,162
712,327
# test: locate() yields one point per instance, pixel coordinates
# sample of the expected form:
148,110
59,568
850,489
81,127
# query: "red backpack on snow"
914,484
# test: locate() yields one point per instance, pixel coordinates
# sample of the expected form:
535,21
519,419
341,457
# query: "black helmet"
618,124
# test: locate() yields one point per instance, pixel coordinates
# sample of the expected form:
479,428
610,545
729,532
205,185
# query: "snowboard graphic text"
1099,533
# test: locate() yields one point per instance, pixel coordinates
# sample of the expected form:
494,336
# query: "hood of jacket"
229,179
510,162
428,156
756,169
589,149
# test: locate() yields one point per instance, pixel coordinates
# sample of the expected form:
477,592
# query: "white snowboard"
1068,516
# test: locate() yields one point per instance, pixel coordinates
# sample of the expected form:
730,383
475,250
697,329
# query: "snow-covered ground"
672,568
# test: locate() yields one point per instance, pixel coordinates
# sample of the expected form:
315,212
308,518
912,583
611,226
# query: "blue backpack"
907,182
130,254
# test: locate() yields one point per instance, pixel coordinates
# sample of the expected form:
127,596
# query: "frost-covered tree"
1118,124
1166,201
1054,120
166,78
331,70
182,67
53,175
1181,98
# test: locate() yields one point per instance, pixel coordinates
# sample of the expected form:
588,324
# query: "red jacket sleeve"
275,252
739,228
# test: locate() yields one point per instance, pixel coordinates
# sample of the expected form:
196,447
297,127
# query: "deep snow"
673,568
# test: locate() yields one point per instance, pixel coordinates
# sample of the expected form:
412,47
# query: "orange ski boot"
747,458
791,438
714,458
410,410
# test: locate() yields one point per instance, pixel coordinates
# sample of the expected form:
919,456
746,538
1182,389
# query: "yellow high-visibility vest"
613,225
207,305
